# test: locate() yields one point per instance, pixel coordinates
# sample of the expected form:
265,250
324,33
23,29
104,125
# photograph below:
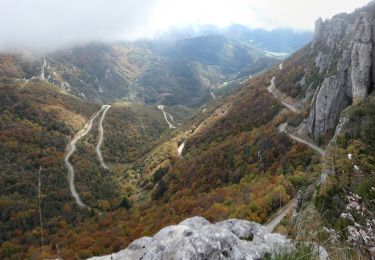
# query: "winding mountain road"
272,89
271,225
101,134
71,148
311,145
283,128
161,108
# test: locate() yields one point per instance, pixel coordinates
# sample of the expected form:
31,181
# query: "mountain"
280,40
291,148
184,72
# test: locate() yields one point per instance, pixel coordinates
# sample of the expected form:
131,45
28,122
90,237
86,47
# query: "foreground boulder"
196,238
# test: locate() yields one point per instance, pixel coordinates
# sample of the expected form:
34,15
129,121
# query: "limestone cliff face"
196,238
329,103
361,58
344,57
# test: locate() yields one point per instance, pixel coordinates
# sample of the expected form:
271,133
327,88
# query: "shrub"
159,190
125,203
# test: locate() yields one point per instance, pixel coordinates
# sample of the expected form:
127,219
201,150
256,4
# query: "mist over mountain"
168,70
285,40
43,26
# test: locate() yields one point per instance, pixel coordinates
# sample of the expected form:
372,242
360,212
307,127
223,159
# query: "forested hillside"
37,122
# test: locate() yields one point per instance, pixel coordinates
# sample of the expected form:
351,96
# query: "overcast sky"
50,24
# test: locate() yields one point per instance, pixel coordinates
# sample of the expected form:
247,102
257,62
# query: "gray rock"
328,106
361,58
329,35
345,40
196,238
335,31
318,33
344,74
323,61
363,29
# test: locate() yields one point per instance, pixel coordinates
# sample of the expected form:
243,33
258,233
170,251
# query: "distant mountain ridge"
182,72
285,40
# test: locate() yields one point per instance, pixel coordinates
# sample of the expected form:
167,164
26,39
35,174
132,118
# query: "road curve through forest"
101,134
276,219
311,145
161,108
271,225
71,148
272,89
283,129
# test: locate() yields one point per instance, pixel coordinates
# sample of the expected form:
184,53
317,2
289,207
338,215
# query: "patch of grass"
302,252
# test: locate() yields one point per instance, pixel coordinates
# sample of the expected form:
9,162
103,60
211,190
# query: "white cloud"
299,14
50,24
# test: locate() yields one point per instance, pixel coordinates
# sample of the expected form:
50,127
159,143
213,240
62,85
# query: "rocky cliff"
343,51
196,238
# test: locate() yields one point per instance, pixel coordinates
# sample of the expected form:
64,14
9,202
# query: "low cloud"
47,25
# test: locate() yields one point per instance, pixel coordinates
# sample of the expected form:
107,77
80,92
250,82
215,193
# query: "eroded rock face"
346,41
319,30
323,61
330,34
361,58
329,103
196,238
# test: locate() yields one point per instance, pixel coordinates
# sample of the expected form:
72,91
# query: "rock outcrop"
196,238
328,106
319,30
361,58
343,50
323,62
